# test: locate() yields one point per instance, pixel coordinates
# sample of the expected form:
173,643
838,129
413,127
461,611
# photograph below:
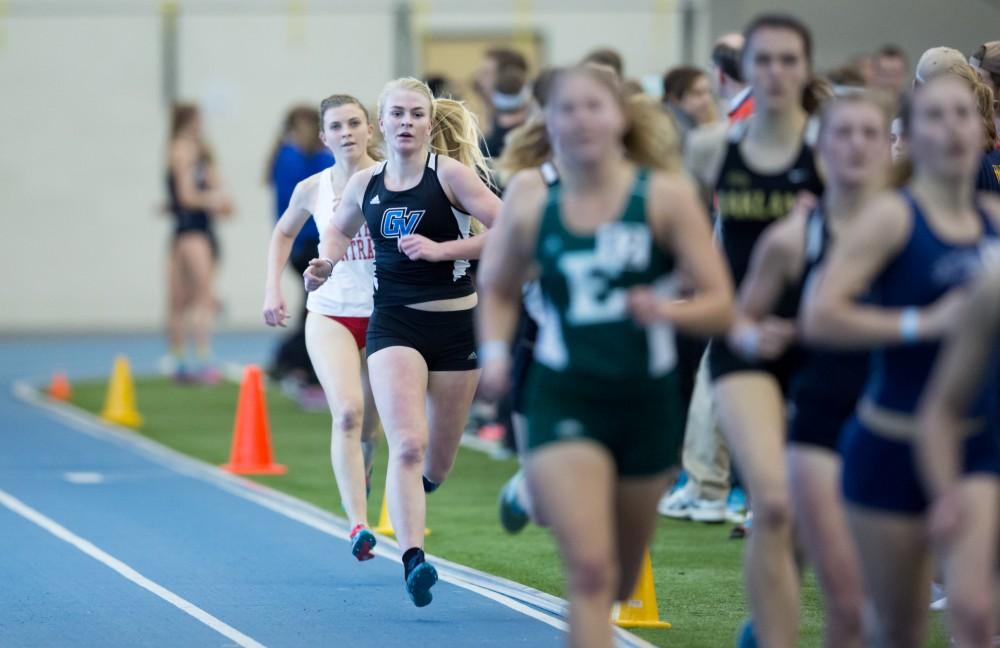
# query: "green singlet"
597,374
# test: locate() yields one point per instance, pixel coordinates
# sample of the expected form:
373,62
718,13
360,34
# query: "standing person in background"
297,155
512,105
338,313
890,70
496,61
705,459
607,58
687,97
197,198
727,77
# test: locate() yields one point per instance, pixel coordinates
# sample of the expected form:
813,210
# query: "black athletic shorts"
816,418
723,361
446,340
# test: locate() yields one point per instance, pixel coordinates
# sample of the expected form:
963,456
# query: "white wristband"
909,325
493,350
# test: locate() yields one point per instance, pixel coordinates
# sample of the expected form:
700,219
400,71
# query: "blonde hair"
650,138
454,128
338,100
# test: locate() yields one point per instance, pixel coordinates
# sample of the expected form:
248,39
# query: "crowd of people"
562,260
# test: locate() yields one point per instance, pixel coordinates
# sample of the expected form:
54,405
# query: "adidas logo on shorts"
472,356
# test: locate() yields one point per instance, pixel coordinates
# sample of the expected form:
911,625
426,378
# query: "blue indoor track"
107,539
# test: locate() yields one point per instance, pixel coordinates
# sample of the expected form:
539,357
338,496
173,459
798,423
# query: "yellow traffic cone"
640,610
119,404
384,526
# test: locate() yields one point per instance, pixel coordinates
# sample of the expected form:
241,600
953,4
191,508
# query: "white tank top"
348,291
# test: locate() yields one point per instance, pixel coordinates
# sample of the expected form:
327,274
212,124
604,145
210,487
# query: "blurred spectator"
727,77
687,96
196,199
890,70
845,79
608,58
298,154
484,84
511,100
865,65
986,61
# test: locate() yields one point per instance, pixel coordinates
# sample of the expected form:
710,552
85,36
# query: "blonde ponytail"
456,135
650,139
527,147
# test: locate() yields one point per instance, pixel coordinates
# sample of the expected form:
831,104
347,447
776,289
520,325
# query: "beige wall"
844,28
82,124
81,167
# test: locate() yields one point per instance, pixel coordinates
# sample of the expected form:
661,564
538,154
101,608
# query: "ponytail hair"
336,101
816,94
650,139
454,128
526,147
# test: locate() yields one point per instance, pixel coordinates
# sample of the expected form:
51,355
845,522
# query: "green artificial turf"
696,567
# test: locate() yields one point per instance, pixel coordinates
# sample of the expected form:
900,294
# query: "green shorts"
637,420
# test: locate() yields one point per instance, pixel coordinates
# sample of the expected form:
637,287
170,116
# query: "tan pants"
705,456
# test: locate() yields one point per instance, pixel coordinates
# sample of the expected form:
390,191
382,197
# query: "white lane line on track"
20,508
542,607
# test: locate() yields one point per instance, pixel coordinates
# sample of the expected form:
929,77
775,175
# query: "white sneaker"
683,505
939,598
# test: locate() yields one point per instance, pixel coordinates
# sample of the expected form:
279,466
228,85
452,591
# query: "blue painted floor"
277,580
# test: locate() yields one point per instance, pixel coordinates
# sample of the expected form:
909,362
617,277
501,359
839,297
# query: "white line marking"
83,477
106,559
538,605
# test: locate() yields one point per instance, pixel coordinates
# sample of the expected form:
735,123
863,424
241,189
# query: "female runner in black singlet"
421,344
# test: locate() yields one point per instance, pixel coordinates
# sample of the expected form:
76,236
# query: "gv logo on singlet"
399,221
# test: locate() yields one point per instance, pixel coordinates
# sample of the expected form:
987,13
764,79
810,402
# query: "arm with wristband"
336,236
833,316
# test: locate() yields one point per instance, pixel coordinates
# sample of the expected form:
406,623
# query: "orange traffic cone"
251,451
119,403
59,388
384,526
640,610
